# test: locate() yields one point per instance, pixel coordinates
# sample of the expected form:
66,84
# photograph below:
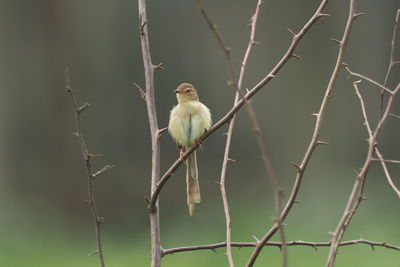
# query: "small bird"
188,121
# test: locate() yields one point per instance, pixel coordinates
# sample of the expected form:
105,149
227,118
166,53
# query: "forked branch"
91,202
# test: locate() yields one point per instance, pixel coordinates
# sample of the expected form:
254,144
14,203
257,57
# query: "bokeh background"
43,217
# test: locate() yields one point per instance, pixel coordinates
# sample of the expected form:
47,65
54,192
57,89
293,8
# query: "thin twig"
394,115
356,195
387,160
383,87
386,171
220,39
154,131
97,220
279,245
392,60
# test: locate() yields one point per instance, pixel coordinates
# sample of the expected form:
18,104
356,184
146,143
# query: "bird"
188,121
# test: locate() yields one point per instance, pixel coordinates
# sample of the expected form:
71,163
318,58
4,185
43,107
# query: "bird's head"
186,92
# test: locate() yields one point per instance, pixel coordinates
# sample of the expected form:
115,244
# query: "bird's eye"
187,90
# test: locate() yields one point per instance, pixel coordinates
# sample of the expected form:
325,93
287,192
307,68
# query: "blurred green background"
43,218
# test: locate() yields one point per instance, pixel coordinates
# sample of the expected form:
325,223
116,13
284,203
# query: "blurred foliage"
44,221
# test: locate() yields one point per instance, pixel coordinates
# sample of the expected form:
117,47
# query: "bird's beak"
176,91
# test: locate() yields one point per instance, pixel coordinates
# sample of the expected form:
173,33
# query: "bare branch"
356,195
154,131
394,115
97,220
392,60
387,160
279,245
386,171
377,152
220,40
383,87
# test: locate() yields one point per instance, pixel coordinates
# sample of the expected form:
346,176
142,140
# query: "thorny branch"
154,131
314,245
370,135
91,202
356,195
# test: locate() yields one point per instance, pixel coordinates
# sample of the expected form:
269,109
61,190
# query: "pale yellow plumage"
188,122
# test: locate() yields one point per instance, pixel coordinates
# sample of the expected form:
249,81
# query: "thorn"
142,24
231,160
315,114
161,131
323,15
101,220
322,143
297,201
331,233
218,183
215,251
364,198
336,41
83,107
95,155
75,134
255,43
102,170
292,32
357,15
281,192
296,56
147,200
315,247
159,66
356,172
90,156
372,247
226,133
256,239
93,253
296,165
271,76
141,91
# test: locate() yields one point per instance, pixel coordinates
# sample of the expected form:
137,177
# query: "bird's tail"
192,183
